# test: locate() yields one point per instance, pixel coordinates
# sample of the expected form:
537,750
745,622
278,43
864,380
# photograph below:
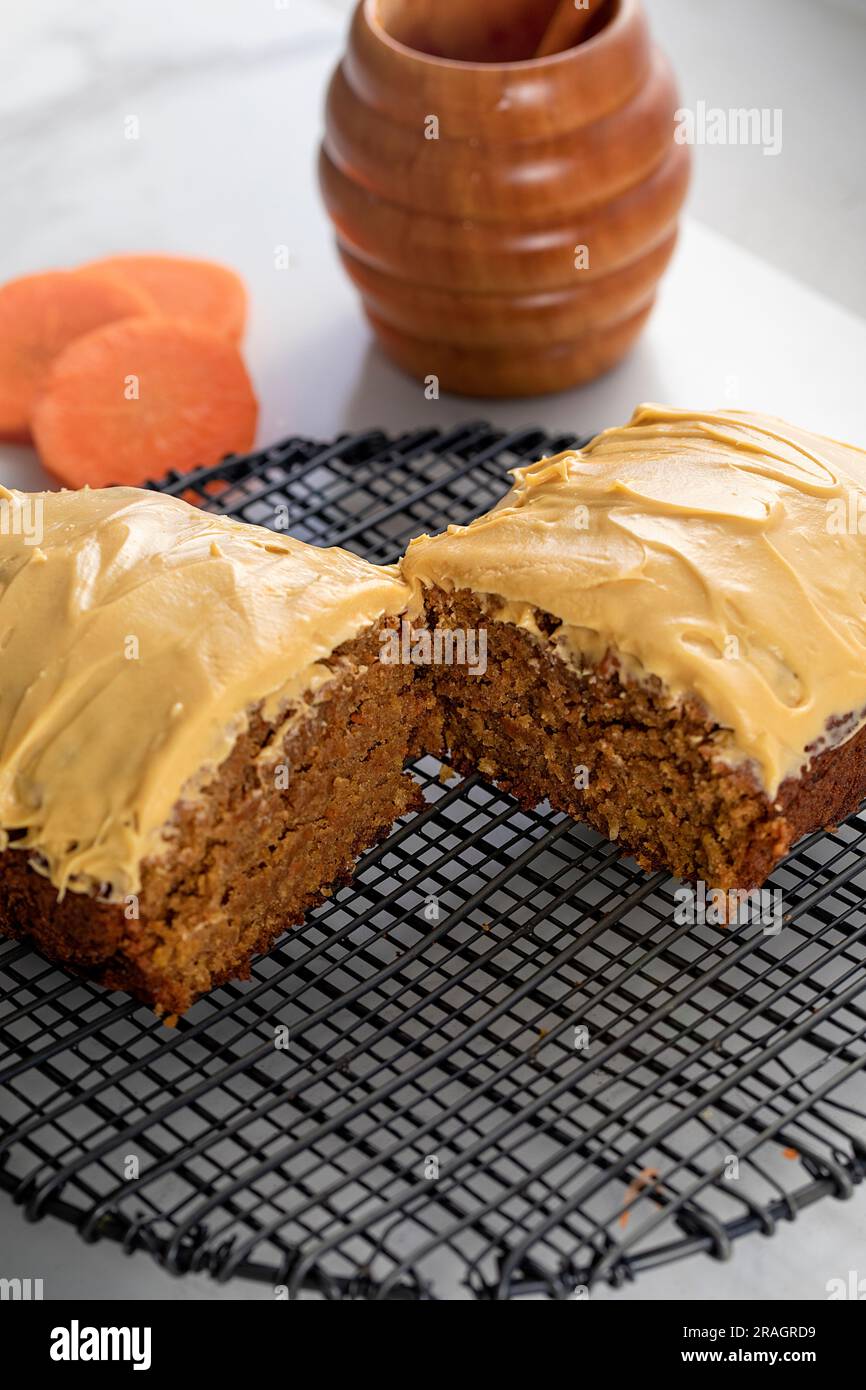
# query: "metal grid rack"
509,1070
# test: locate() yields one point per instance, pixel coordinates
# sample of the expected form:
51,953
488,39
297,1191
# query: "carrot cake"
675,623
203,723
197,736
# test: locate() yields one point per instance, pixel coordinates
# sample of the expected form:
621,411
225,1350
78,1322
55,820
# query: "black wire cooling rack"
504,1068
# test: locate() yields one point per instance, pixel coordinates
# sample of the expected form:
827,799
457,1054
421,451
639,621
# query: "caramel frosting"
136,632
718,552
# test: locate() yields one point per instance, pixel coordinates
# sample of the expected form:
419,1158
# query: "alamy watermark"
77,1343
699,905
846,514
711,125
438,646
852,1287
20,1290
23,515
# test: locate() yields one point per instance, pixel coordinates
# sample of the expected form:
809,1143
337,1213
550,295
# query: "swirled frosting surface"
136,632
719,552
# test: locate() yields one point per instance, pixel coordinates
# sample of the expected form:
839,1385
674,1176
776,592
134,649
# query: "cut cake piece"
675,629
197,735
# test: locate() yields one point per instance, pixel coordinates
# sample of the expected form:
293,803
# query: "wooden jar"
505,220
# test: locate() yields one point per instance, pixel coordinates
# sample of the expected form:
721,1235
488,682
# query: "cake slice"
197,735
675,630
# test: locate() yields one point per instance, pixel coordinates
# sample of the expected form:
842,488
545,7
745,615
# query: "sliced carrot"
202,292
131,401
39,316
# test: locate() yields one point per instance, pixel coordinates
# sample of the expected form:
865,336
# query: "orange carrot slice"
39,316
201,292
131,401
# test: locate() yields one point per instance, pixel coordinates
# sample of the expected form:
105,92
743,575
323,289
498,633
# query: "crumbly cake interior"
620,757
253,856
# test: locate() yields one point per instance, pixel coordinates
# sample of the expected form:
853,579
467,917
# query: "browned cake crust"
255,853
653,779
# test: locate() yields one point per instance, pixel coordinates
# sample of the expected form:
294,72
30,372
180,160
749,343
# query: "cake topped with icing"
716,551
136,632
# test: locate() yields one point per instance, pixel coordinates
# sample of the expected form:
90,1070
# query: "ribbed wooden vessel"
518,252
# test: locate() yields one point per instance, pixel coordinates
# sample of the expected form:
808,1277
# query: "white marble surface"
228,95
